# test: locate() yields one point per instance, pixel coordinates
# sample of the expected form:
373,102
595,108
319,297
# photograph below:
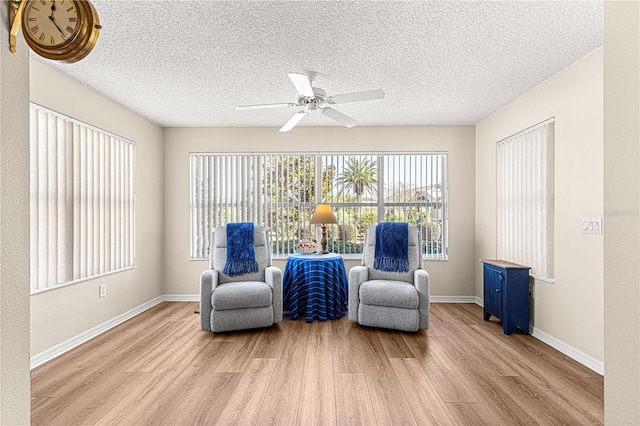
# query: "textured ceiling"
189,63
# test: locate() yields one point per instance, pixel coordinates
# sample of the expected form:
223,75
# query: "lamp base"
324,250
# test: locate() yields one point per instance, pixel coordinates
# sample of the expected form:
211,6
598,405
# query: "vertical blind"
223,189
82,201
280,191
525,199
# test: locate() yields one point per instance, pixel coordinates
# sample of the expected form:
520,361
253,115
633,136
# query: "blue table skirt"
315,285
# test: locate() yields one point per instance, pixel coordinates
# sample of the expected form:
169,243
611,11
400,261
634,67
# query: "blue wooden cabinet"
506,294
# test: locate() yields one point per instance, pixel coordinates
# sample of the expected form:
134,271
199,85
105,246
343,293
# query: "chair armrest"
357,275
273,277
421,281
208,282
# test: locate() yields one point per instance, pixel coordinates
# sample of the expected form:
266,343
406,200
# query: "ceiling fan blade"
367,95
264,106
293,121
302,84
341,118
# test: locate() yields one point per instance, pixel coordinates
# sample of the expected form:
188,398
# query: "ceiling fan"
314,99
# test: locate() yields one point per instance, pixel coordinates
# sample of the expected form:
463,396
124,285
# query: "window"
525,199
82,201
281,191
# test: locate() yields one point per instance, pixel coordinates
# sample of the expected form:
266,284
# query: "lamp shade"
323,214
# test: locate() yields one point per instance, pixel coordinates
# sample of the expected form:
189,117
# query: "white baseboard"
557,344
85,336
584,359
181,298
452,299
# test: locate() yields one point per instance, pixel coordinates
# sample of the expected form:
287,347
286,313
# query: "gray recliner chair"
397,300
244,301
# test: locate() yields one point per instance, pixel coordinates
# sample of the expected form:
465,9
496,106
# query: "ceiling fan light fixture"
313,98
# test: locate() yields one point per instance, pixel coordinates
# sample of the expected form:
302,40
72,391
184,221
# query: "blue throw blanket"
392,247
241,257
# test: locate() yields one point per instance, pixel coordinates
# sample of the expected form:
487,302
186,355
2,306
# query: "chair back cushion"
219,254
414,252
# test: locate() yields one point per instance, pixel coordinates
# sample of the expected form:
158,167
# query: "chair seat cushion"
240,295
398,294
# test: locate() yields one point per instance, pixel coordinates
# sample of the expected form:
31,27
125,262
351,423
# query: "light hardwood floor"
160,369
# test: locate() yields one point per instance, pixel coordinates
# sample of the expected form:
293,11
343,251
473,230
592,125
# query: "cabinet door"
493,278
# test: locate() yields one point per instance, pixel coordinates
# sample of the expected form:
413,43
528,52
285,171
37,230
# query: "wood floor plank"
585,390
423,350
318,403
499,403
243,407
450,385
237,359
425,402
105,394
353,402
393,344
320,327
57,378
280,407
160,369
389,403
471,413
539,405
157,355
272,342
142,400
345,358
194,384
202,404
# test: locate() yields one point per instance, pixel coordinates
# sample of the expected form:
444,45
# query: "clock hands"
54,23
53,9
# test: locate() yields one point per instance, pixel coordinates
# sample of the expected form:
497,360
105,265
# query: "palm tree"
359,176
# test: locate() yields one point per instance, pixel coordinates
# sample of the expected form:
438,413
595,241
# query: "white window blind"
525,199
281,191
82,201
224,188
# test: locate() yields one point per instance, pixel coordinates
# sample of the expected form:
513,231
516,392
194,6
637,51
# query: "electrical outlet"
103,290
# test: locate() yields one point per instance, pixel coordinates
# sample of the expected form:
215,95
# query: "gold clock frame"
77,47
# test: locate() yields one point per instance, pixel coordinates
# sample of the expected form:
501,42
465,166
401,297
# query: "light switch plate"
591,225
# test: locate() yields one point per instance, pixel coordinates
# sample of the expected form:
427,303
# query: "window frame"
519,247
379,205
123,192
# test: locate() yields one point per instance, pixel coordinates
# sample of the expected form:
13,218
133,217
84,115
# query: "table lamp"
323,215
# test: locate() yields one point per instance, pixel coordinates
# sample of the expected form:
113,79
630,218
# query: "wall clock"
60,30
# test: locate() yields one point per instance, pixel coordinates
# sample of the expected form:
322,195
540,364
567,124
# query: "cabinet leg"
507,328
487,315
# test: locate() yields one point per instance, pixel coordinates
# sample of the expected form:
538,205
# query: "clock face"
51,22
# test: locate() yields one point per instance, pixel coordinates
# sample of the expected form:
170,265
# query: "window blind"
224,188
525,199
82,201
281,191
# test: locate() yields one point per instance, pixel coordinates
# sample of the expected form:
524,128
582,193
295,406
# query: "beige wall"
60,314
14,229
571,309
621,204
450,278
